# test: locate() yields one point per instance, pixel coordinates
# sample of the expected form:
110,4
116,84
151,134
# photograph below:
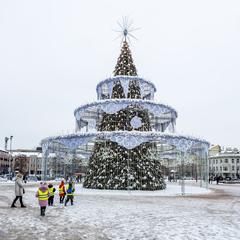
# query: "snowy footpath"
97,214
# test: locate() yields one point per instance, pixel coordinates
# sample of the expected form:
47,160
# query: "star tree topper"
126,29
125,65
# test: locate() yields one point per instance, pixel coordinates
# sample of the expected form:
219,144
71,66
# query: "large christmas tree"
112,166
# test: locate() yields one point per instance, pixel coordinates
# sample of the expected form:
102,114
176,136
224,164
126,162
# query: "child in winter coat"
42,194
69,190
61,190
51,190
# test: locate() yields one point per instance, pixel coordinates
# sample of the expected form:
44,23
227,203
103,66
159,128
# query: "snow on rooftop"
3,150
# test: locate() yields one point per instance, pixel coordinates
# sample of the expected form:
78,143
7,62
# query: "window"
216,161
232,160
225,169
226,160
221,161
233,168
237,160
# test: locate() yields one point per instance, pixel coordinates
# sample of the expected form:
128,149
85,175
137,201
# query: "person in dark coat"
19,190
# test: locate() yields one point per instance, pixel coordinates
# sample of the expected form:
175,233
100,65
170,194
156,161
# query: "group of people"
45,194
216,178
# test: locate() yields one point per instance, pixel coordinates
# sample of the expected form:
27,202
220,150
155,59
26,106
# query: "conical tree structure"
125,65
112,166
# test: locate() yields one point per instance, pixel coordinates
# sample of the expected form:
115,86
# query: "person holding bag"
19,190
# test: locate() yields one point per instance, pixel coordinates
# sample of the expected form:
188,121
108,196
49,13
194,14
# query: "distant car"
57,179
32,179
188,178
8,176
3,179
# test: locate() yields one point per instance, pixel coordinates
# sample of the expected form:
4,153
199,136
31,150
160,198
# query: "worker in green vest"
69,191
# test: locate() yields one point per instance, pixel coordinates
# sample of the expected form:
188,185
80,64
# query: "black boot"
14,201
41,212
21,202
44,211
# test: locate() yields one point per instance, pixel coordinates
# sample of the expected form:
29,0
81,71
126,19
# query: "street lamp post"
6,142
10,158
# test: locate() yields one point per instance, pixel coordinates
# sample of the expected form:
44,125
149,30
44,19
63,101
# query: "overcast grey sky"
53,53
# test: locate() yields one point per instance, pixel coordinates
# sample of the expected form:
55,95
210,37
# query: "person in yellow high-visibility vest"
51,190
69,191
42,195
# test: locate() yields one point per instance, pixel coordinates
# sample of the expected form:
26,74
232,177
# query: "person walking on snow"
51,190
69,190
42,194
61,190
19,190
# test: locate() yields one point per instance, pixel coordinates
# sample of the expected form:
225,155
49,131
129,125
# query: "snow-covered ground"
97,214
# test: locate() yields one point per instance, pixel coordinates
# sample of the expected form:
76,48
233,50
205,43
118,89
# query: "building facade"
58,166
5,159
224,162
33,160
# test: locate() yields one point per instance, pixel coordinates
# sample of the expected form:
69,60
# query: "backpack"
69,190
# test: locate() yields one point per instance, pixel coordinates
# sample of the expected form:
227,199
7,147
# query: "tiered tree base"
114,167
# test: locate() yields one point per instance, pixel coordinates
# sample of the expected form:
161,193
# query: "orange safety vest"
43,195
60,190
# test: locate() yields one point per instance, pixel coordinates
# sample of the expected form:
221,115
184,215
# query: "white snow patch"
101,214
171,190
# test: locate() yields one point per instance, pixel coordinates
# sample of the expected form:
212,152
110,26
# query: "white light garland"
127,139
125,80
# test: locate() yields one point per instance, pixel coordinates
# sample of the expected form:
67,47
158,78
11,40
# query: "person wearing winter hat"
42,194
19,190
61,190
51,190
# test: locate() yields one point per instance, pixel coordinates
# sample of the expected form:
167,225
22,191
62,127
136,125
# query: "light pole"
10,158
6,142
